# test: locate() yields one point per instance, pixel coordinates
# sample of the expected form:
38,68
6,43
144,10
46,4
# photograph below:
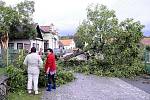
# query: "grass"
2,70
23,96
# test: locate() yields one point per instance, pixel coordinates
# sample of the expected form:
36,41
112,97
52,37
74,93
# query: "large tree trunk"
4,45
74,54
4,57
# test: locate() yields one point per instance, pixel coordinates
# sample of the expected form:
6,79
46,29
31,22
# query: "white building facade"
26,44
50,37
68,43
47,37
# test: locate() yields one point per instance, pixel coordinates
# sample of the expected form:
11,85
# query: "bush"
2,70
17,78
62,77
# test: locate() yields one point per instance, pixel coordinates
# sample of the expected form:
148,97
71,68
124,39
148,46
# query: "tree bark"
4,46
5,56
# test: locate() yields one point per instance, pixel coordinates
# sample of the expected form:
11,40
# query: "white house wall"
57,41
51,41
67,47
29,43
39,43
47,36
19,41
71,46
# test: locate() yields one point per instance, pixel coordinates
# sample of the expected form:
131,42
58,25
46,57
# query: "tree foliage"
125,48
17,21
99,27
67,37
119,42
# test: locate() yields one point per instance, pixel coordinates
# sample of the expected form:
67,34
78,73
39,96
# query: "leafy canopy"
17,21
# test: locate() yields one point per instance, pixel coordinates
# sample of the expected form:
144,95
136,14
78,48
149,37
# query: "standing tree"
17,21
7,15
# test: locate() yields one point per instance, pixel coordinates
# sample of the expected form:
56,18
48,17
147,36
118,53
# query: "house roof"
146,41
45,29
66,42
48,29
39,35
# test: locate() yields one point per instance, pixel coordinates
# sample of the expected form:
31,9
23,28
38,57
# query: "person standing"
50,69
33,61
40,52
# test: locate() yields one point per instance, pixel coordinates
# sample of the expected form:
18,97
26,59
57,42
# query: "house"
145,41
50,37
47,37
68,43
27,44
61,46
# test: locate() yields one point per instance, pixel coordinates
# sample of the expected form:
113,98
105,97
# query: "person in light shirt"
33,61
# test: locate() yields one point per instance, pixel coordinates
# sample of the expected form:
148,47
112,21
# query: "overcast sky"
67,14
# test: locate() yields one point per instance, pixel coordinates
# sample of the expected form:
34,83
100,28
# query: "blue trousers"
51,79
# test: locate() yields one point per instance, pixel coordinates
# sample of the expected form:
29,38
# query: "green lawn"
2,70
20,95
23,96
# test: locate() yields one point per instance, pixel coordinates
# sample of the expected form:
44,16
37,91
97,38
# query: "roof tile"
66,42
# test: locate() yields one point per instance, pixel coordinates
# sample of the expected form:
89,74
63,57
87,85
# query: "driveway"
96,88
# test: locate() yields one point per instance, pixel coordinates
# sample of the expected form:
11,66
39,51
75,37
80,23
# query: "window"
19,45
11,45
27,46
54,43
46,44
37,47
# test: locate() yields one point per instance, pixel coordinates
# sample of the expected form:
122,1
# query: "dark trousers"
51,79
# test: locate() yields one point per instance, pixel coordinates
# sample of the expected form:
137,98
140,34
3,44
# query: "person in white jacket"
33,61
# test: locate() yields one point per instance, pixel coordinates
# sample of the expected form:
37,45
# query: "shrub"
62,77
17,78
103,68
